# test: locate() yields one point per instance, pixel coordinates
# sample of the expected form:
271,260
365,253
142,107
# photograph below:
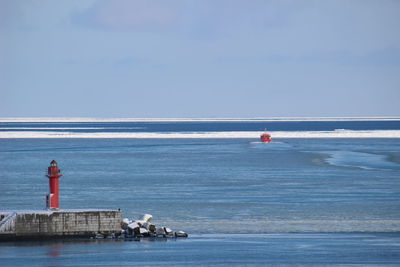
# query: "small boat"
266,138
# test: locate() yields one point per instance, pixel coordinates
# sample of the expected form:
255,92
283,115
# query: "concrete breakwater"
62,224
52,224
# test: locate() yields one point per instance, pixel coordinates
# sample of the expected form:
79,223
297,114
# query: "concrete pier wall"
58,224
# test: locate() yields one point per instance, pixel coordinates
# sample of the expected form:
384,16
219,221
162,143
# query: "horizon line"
189,119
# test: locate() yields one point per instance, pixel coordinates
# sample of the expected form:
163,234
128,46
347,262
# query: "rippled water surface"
374,249
294,200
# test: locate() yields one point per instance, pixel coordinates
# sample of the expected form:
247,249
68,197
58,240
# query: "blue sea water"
196,125
295,201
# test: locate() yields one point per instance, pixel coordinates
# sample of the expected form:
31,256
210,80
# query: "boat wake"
360,160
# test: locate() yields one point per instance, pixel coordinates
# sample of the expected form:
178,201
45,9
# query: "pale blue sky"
199,58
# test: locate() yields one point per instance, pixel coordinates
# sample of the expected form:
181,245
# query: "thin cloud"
128,14
10,14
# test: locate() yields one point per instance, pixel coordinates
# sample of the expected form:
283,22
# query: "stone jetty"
64,224
58,224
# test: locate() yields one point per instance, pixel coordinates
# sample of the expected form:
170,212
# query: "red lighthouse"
53,173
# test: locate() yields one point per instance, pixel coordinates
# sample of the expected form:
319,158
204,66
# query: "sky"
199,59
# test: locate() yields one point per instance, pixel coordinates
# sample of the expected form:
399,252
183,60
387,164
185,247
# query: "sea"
325,192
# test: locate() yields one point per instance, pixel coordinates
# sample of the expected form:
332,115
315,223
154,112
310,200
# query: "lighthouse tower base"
52,224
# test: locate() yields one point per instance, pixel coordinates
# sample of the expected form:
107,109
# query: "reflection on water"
54,250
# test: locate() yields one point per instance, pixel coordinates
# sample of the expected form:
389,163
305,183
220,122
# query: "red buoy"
53,173
266,138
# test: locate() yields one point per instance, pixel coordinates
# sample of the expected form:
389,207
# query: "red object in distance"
266,138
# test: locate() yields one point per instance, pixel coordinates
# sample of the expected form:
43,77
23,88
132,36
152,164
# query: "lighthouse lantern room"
53,173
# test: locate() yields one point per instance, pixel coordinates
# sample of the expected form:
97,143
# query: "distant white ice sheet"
203,135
